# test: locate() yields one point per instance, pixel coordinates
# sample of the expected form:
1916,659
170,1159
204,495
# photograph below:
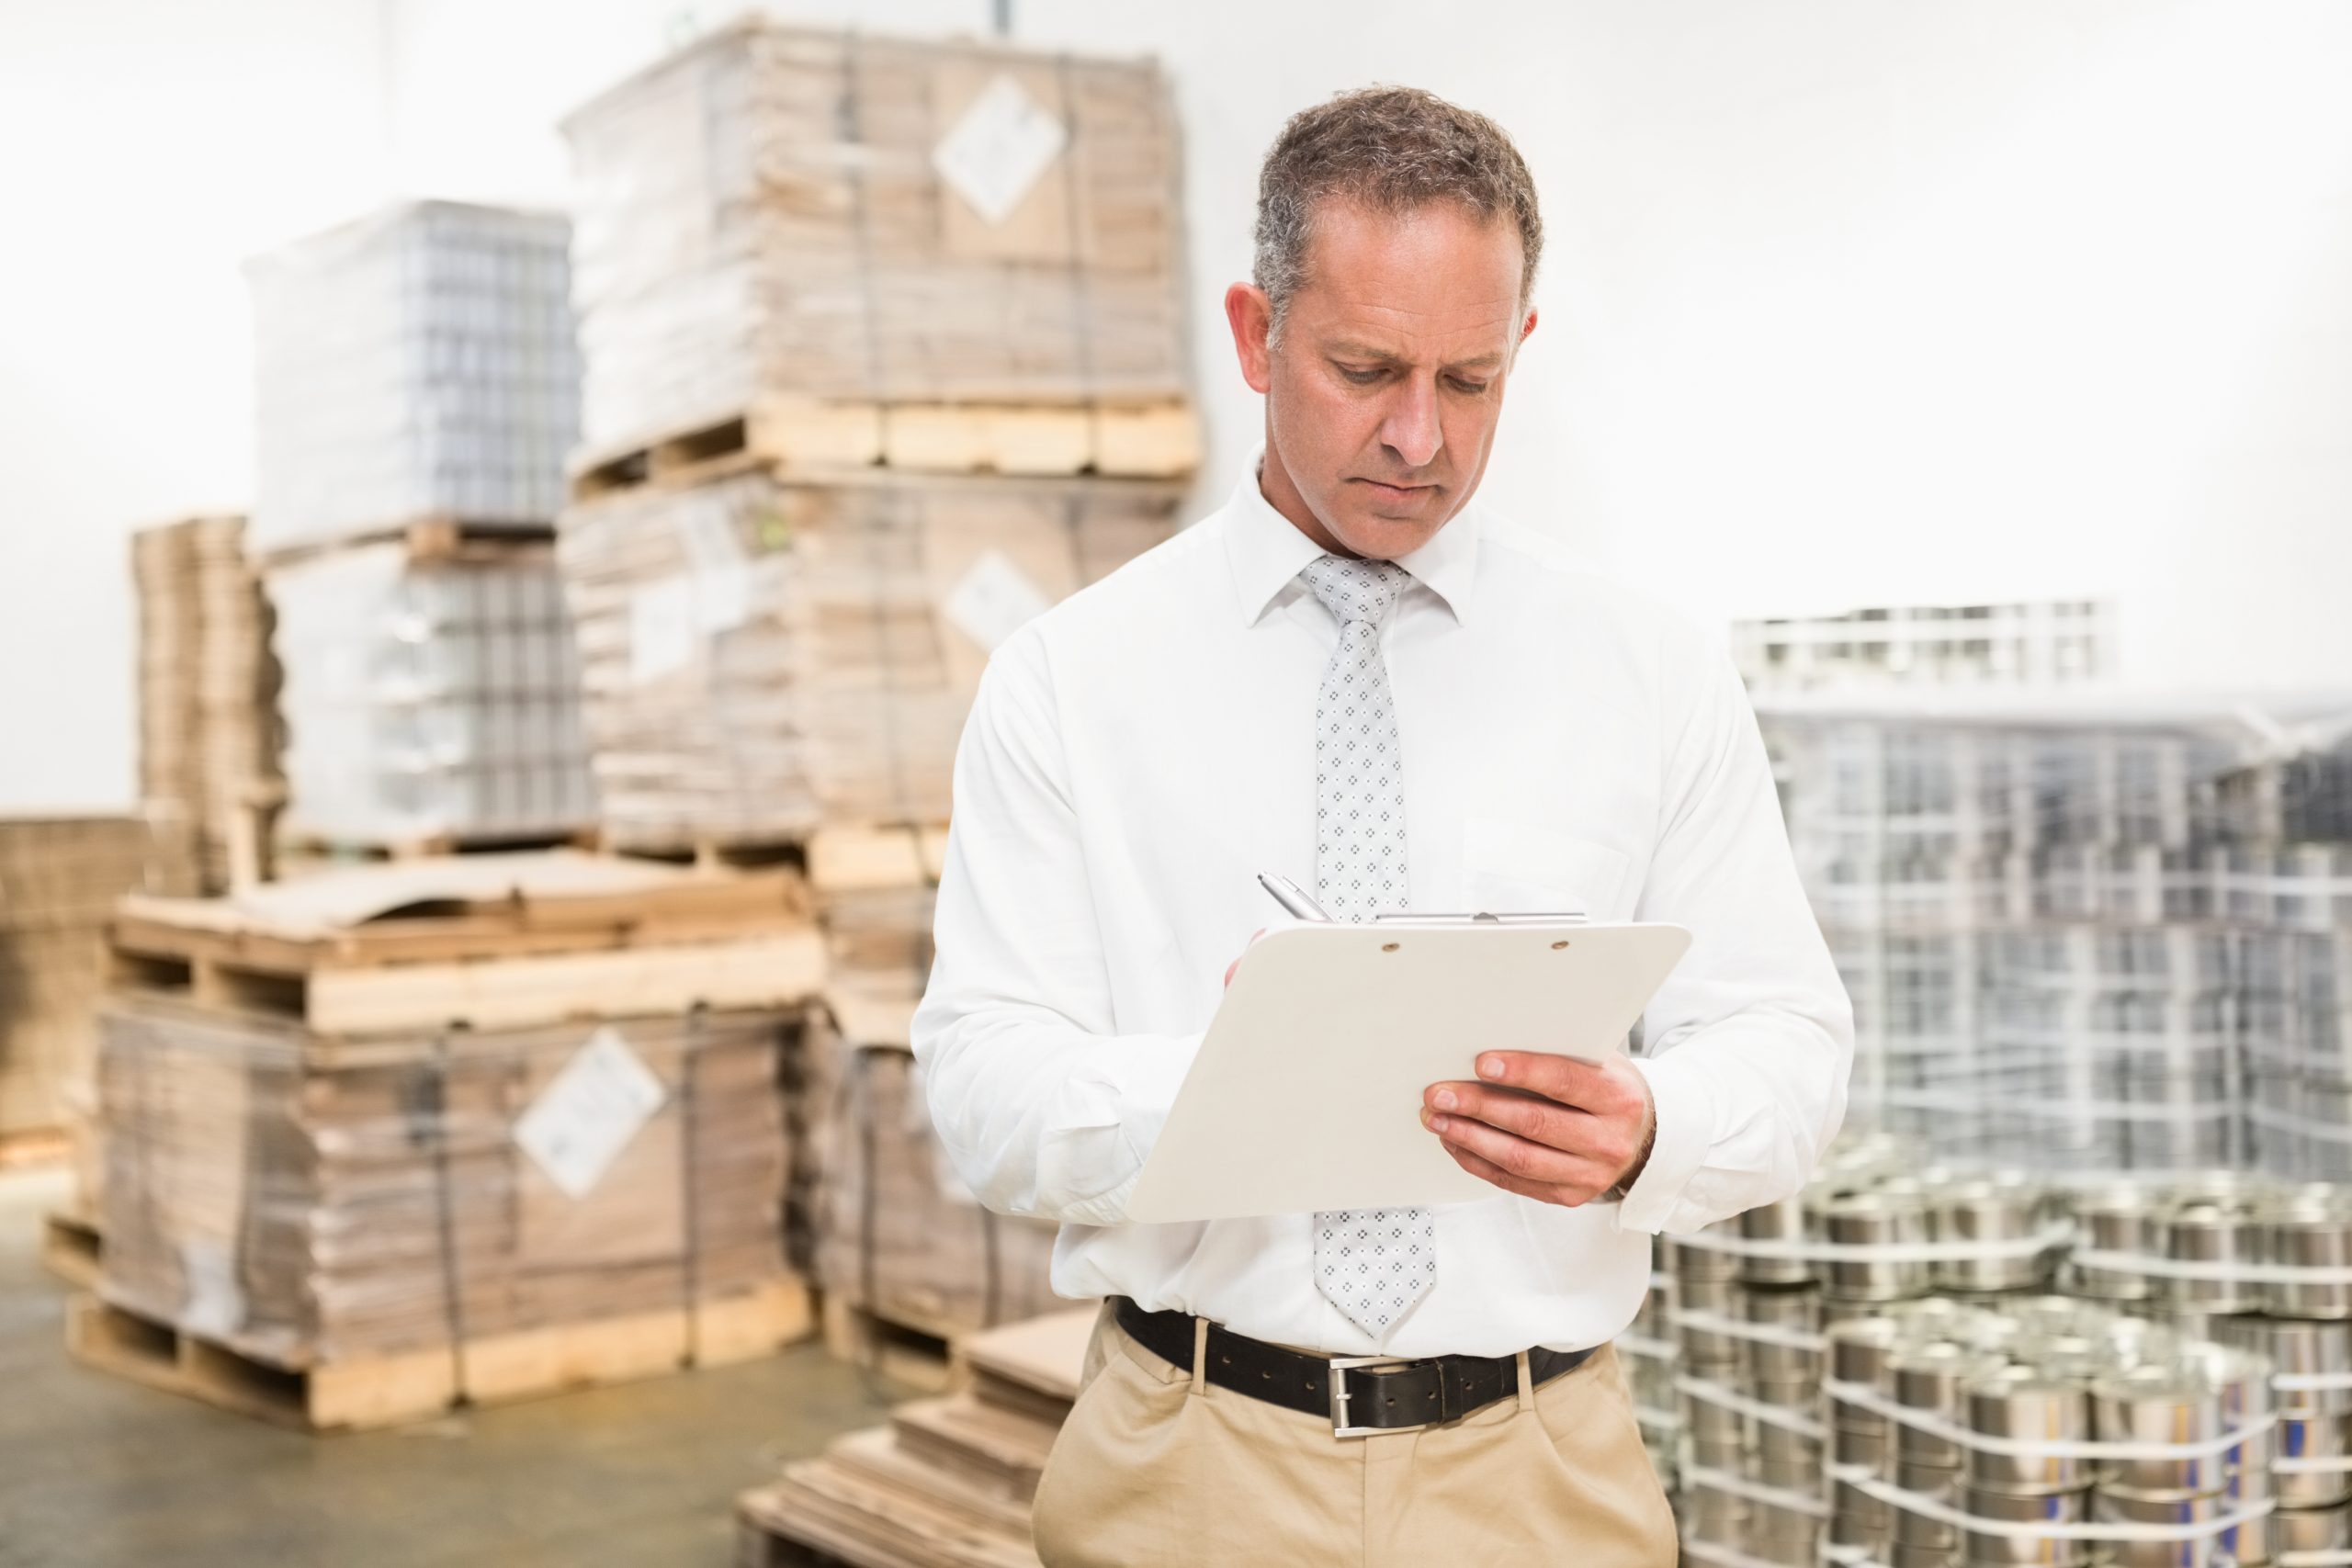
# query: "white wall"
1844,301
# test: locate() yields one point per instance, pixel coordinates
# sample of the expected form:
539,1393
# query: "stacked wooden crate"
417,390
948,1483
884,354
207,691
391,1137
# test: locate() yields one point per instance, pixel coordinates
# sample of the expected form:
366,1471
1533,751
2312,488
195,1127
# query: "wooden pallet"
866,1504
438,536
34,1146
303,854
70,1248
494,940
922,1356
846,859
718,854
1030,1367
1145,440
837,857
948,1483
391,1389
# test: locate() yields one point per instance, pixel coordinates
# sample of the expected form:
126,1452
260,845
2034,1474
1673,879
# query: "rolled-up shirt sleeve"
1040,1106
1752,1039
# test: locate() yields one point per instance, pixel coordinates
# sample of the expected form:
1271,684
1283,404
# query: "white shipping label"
662,631
214,1304
997,148
722,599
582,1121
993,599
721,575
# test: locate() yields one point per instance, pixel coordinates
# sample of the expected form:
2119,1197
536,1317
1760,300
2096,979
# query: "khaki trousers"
1156,1466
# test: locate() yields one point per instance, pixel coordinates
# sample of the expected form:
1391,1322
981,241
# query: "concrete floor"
97,1473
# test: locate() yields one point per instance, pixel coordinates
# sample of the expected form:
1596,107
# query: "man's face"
1382,395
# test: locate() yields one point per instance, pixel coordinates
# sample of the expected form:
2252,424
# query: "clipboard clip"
1516,918
1300,904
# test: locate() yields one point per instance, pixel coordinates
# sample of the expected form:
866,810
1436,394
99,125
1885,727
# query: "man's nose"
1411,428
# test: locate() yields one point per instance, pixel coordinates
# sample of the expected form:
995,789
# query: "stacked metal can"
2265,1267
2045,1431
1647,1352
1752,1300
2295,993
2114,1046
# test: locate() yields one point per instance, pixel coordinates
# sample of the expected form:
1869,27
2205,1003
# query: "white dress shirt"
1138,753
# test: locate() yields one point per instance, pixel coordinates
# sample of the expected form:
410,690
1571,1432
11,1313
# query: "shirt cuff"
1686,1127
1104,1124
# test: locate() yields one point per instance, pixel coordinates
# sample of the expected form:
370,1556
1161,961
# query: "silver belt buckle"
1341,1367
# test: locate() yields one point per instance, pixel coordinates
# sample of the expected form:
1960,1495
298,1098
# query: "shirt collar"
1266,550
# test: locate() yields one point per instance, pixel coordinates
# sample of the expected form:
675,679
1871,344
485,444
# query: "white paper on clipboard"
1306,1091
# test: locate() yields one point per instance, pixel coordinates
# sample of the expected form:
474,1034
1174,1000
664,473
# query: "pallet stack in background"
478,1127
417,392
884,353
832,248
209,732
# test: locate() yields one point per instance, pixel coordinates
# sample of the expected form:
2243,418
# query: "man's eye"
1361,378
1473,387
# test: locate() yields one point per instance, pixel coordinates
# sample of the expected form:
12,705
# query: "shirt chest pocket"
1513,867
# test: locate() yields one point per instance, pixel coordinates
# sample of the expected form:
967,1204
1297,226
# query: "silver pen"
1292,896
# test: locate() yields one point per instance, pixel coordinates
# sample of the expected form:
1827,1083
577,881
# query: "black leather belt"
1361,1394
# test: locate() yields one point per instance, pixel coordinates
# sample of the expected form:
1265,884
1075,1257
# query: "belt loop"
1526,1383
1200,1355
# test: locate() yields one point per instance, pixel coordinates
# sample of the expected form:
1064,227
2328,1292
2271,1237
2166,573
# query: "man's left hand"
1552,1128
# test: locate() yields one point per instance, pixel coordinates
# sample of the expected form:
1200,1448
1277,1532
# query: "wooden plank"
874,1455
438,536
377,1394
854,859
384,1390
860,1504
490,895
781,968
744,1329
1044,1354
1157,440
812,437
34,1146
872,1019
990,1448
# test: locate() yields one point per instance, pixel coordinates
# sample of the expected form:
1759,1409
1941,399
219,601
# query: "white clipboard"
1306,1091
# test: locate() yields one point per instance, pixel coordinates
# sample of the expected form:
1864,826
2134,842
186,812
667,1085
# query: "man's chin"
1390,531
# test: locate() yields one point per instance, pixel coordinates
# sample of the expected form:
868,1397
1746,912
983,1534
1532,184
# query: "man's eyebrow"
1348,350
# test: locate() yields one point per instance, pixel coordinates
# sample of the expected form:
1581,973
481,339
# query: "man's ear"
1252,315
1527,327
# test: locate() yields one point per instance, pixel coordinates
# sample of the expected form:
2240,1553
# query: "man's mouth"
1396,492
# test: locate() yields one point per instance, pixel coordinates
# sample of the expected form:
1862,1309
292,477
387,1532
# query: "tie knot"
1355,590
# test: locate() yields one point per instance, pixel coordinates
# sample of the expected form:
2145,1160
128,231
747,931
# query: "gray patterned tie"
1373,1264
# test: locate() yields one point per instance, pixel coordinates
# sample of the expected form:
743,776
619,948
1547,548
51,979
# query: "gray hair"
1395,150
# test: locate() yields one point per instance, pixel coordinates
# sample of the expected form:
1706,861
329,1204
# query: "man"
1537,739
